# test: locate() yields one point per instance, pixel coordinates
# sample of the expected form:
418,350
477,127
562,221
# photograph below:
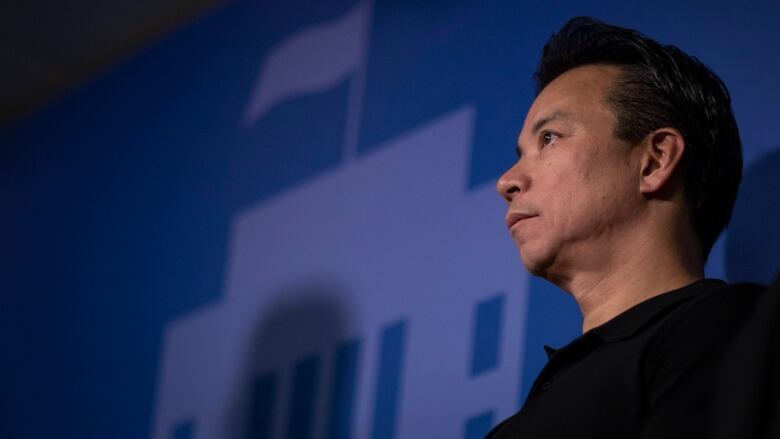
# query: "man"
628,166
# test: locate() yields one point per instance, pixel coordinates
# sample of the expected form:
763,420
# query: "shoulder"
720,308
694,334
715,313
746,402
682,359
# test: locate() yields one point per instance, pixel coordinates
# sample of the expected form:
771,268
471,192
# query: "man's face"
574,189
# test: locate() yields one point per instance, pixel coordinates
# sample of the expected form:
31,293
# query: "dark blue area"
261,407
185,430
123,196
388,385
488,321
478,426
554,320
342,405
753,239
304,397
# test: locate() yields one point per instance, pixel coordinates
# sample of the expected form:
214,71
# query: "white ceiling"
48,46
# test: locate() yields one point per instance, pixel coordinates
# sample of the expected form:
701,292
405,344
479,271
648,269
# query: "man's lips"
514,218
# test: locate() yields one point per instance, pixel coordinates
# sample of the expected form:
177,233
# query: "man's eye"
548,138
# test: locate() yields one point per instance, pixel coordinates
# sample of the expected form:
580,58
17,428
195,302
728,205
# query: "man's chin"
536,264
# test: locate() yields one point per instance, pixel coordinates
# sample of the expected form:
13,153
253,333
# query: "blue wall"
122,204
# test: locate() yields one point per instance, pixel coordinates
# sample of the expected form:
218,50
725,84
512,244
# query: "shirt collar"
635,318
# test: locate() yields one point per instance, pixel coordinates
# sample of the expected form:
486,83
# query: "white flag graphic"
312,60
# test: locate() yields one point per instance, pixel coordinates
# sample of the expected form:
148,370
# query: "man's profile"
629,161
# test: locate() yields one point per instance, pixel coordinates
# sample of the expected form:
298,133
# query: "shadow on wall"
284,376
753,240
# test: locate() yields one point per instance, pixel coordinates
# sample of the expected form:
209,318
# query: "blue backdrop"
280,221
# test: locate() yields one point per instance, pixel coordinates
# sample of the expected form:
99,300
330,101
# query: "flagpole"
356,91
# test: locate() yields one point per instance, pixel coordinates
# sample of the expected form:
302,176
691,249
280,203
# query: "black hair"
661,86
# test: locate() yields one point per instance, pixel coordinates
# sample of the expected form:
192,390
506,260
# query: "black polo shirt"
747,401
648,372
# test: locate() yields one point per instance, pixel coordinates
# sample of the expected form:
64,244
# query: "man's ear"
661,153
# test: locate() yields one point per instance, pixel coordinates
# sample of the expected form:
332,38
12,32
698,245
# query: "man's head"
608,100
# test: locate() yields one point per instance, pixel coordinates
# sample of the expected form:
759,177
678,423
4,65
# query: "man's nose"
512,182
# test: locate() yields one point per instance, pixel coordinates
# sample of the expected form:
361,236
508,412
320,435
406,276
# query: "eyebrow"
555,115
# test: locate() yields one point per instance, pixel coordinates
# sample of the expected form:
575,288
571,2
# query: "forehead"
579,92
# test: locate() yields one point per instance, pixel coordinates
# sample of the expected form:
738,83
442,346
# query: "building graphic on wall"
346,310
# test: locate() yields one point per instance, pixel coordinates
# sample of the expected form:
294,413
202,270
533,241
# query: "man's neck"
645,267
